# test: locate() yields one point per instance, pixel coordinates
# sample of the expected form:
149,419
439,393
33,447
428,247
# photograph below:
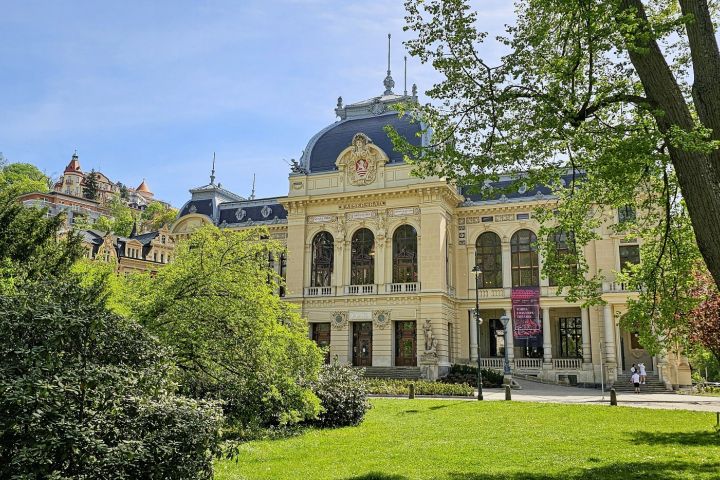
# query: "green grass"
466,440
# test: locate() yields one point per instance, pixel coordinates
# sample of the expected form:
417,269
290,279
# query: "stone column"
609,331
586,352
380,264
473,337
547,336
510,338
506,265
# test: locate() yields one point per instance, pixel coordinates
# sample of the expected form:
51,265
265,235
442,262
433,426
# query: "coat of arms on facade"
361,160
381,318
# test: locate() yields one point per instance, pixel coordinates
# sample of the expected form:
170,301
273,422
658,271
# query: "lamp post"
508,344
476,270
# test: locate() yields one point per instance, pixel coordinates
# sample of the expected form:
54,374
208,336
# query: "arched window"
405,255
523,253
322,260
564,245
362,258
488,255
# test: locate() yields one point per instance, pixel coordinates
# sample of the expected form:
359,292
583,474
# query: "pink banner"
526,312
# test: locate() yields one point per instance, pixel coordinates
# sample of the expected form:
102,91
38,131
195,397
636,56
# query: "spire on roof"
133,232
252,194
212,172
74,165
388,82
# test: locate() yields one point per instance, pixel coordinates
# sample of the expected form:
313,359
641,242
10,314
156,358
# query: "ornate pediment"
361,160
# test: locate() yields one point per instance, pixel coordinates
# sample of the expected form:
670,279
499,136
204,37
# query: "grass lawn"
465,440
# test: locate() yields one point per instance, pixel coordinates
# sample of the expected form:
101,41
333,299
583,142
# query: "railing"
567,363
491,363
360,290
610,287
493,293
319,291
402,287
528,363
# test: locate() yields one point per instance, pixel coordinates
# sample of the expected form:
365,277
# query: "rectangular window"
570,337
626,213
522,216
629,255
487,219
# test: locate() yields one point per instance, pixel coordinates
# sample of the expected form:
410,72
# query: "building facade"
381,263
146,252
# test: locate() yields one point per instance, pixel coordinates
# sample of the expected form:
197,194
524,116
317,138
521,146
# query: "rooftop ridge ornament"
388,82
212,172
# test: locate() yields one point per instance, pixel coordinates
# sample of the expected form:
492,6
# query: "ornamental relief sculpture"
361,160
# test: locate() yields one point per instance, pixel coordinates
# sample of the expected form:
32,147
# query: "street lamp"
508,344
476,270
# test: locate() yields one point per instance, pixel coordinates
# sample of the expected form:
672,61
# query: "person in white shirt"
633,369
635,379
643,373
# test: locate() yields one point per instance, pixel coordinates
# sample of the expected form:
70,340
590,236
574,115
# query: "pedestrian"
643,373
633,369
635,379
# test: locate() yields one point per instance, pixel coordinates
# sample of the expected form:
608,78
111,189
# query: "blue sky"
151,89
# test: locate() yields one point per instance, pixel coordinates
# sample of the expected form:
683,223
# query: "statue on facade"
430,340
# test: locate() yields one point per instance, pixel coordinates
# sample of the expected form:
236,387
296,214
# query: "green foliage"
30,244
91,188
467,374
20,178
342,396
86,394
378,386
156,215
232,337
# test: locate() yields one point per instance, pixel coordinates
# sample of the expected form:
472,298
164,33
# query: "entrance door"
362,344
405,344
321,336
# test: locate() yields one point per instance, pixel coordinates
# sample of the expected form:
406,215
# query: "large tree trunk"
698,173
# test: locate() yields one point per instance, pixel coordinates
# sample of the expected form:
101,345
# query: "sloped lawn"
467,440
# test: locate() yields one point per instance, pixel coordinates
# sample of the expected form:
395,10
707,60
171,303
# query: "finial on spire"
388,82
212,172
405,88
252,194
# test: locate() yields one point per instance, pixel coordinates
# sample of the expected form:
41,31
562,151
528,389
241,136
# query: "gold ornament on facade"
361,160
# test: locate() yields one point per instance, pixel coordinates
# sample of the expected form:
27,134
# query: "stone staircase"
652,384
409,373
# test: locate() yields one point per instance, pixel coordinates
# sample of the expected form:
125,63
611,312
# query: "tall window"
564,248
283,272
629,255
405,255
488,255
362,258
322,260
523,253
570,337
626,213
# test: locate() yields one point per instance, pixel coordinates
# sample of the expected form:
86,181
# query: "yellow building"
381,264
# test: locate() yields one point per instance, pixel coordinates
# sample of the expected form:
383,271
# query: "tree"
91,188
704,319
156,215
21,178
232,337
620,94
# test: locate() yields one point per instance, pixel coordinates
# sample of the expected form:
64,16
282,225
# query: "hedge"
378,386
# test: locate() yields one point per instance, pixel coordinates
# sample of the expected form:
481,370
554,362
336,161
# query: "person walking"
643,373
633,369
635,379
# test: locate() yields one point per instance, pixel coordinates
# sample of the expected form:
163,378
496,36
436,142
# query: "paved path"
540,392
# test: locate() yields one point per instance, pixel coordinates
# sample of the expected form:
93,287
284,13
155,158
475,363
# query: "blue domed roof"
325,147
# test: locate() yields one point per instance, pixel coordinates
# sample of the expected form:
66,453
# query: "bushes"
468,374
379,386
342,395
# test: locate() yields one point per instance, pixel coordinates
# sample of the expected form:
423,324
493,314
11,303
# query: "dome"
143,187
325,147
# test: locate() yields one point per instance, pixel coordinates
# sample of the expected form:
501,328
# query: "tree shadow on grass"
612,471
377,476
699,438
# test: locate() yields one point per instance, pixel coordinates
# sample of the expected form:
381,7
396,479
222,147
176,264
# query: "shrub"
380,386
342,396
468,374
